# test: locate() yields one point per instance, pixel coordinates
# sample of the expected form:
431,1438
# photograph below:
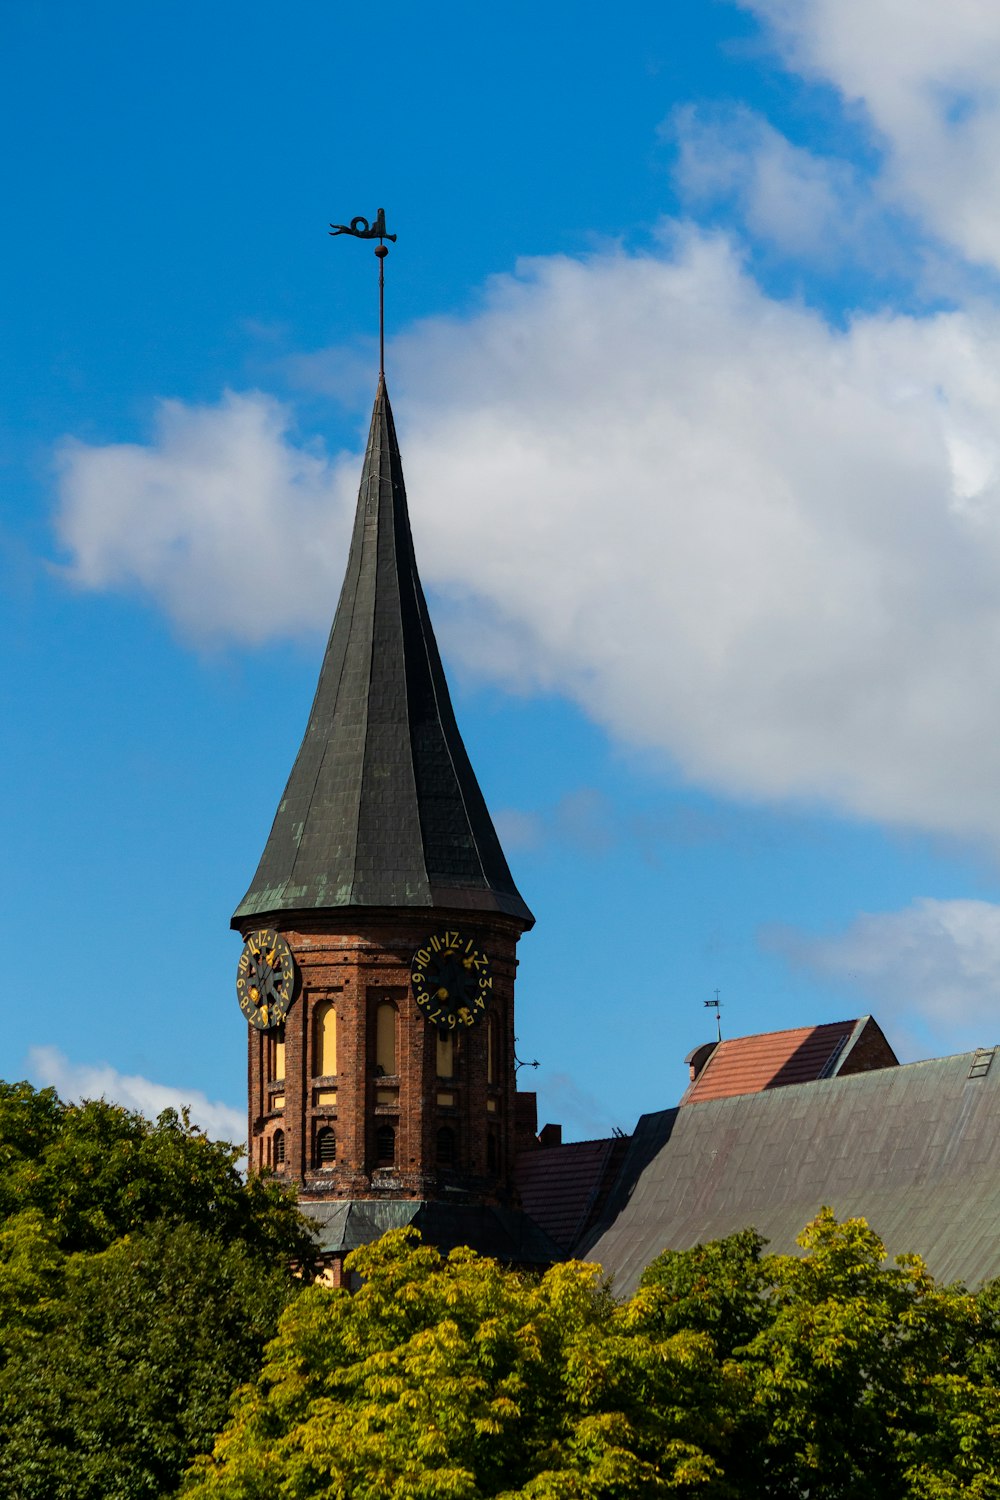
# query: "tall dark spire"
382,808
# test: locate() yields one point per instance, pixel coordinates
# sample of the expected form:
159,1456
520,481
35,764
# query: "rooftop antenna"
716,1005
376,230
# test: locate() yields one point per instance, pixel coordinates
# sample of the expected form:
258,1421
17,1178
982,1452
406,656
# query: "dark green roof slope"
912,1149
506,1234
382,808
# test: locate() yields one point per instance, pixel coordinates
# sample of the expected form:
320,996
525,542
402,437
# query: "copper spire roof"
382,808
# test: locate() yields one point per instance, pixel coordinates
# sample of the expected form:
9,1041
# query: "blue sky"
695,357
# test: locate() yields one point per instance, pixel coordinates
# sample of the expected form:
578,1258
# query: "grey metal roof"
382,808
505,1234
912,1149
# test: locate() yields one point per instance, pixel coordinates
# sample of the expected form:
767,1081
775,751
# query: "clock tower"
381,927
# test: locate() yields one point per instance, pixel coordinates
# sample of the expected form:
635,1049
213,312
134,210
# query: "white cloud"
935,960
223,520
806,205
49,1068
927,74
766,548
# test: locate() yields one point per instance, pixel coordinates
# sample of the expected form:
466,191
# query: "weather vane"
716,1005
362,230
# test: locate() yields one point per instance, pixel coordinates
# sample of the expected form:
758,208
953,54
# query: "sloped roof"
913,1149
562,1187
747,1064
382,808
506,1234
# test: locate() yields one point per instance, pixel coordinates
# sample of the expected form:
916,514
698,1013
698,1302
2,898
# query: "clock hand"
446,977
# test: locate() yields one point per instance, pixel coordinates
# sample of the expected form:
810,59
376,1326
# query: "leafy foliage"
717,1289
729,1374
458,1379
96,1172
140,1278
860,1379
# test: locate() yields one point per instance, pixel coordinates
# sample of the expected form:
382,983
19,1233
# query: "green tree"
716,1288
96,1172
135,1374
860,1380
457,1379
731,1373
140,1277
866,1376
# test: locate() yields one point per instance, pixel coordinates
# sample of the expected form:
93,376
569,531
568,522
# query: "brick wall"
357,971
870,1051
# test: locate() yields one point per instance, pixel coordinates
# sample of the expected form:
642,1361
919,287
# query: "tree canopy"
96,1172
458,1379
140,1277
730,1373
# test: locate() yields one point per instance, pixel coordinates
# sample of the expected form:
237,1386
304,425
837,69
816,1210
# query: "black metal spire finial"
363,230
716,1005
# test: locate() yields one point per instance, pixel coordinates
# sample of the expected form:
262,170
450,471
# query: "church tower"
381,926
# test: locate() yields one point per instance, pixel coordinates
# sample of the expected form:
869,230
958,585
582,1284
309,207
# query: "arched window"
326,1149
446,1146
445,1055
491,1151
279,1054
325,1040
491,1049
385,1146
385,1040
278,1148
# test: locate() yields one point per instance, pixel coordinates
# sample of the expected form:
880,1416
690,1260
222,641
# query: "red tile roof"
563,1188
749,1064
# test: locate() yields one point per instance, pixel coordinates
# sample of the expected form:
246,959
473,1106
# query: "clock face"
452,980
265,979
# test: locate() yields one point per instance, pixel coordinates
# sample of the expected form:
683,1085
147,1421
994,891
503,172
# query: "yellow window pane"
325,1039
446,1056
385,1039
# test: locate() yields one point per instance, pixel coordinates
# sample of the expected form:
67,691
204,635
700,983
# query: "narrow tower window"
446,1146
279,1054
385,1146
325,1040
385,1040
491,1151
326,1149
278,1148
445,1055
491,1049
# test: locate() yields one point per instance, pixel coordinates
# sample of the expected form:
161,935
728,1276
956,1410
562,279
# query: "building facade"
381,926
